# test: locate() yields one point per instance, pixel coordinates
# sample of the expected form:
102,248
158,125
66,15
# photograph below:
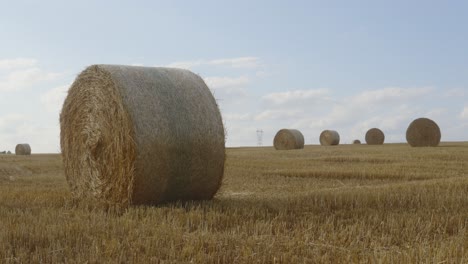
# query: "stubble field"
342,204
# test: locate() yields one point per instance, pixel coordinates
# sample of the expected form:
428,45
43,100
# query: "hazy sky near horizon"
309,65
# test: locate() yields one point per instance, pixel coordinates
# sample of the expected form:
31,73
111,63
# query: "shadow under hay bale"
329,138
141,135
23,149
423,132
375,136
287,139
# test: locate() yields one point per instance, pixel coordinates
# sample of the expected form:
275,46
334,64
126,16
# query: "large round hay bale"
356,141
141,135
375,136
287,139
23,149
423,132
329,138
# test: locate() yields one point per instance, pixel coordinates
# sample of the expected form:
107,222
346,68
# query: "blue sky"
310,65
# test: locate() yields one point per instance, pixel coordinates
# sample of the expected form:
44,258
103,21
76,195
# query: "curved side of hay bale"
287,139
329,138
23,149
423,132
140,135
375,136
356,141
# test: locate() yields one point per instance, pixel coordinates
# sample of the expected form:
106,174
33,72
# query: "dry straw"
287,139
375,136
423,132
140,135
23,149
356,141
329,138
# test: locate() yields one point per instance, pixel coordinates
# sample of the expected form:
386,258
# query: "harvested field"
348,204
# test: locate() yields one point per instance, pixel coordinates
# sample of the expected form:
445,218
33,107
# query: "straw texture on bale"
356,141
375,136
287,139
423,132
329,138
23,149
141,135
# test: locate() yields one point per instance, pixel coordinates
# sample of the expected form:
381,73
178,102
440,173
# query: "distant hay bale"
23,149
140,135
287,139
329,138
356,141
423,132
8,152
375,136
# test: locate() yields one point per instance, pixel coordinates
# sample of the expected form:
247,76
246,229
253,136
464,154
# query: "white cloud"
11,64
240,62
9,122
464,113
20,79
241,134
226,82
261,74
224,87
394,122
53,99
390,94
456,92
297,96
185,64
311,123
436,112
237,117
278,114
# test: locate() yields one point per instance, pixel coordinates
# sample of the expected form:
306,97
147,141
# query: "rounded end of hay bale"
97,139
356,141
287,139
23,149
141,135
375,136
423,132
329,138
